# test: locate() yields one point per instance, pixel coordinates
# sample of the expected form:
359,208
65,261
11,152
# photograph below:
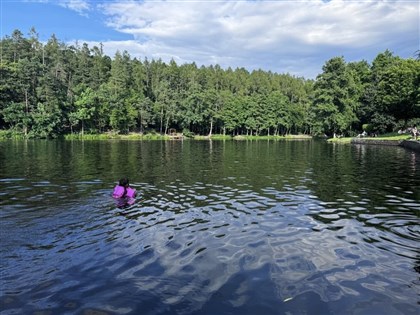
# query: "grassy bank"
7,134
287,137
389,137
213,137
110,135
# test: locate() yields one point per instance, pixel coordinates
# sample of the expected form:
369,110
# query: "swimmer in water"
124,193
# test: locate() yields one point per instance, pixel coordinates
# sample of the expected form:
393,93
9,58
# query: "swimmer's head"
124,182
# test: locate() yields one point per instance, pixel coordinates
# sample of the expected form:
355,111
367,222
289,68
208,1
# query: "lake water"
236,227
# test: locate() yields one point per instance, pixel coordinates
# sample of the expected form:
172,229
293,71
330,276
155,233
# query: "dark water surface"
291,227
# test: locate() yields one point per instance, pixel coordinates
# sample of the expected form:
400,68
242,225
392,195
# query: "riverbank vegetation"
391,136
54,89
116,136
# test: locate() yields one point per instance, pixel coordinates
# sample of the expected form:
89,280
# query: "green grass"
113,135
245,137
340,140
213,137
10,134
257,137
393,136
287,137
7,134
297,137
76,136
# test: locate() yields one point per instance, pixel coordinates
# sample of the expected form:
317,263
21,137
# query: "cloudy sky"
295,37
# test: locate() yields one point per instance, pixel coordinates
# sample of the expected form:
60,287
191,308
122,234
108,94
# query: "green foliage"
335,102
11,134
344,140
220,137
392,136
382,122
187,133
79,136
368,128
116,136
50,89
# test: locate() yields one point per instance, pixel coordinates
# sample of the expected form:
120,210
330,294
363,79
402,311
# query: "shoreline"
157,136
407,144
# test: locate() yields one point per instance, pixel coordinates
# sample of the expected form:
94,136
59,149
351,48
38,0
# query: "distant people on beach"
363,134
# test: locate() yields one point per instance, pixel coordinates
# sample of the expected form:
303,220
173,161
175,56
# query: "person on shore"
414,132
363,134
123,189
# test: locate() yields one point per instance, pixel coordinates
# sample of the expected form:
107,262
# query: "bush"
368,128
11,134
187,133
383,123
414,121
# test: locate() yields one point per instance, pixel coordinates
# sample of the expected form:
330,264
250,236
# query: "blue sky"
295,37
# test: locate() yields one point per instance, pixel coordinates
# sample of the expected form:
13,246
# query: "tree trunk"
211,126
167,125
141,125
161,120
27,111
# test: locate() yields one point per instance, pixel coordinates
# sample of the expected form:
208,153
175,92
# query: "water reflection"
220,228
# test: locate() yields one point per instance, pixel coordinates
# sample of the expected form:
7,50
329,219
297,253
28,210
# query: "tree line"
50,89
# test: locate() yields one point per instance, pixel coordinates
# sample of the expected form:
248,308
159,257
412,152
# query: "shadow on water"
219,228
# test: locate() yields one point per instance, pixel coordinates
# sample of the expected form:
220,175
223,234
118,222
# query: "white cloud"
279,36
80,6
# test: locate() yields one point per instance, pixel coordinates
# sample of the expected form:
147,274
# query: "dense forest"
50,89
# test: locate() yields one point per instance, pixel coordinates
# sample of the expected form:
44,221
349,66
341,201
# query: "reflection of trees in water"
340,170
367,173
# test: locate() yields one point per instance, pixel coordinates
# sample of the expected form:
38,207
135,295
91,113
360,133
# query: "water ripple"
225,246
